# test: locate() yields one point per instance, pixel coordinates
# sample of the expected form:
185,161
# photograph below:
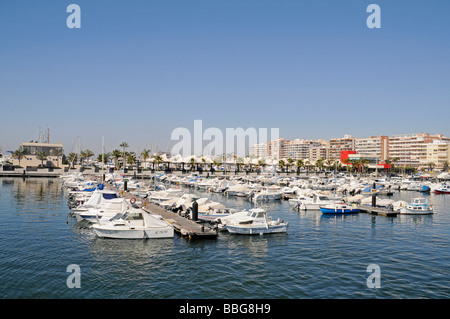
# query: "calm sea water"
319,257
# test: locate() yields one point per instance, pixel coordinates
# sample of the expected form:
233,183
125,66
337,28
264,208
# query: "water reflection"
34,189
418,221
131,250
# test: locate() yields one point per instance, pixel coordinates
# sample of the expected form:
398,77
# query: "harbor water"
319,257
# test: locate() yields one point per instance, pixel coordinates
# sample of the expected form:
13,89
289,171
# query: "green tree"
42,156
281,164
86,154
145,154
131,158
446,166
124,146
299,164
157,159
192,163
290,162
116,154
431,165
19,154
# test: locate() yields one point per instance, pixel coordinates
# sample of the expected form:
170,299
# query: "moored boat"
443,189
419,206
135,224
339,208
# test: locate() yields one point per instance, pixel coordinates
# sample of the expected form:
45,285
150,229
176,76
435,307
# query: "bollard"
374,200
125,186
194,211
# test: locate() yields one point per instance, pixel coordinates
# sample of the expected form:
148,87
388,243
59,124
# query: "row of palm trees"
359,165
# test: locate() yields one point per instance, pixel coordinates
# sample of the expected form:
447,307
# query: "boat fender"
132,200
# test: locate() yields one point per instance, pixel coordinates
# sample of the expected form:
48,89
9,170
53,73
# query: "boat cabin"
418,204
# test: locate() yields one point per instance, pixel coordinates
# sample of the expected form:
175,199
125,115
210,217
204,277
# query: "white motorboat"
135,224
299,200
419,206
257,223
268,194
110,209
236,217
443,189
97,198
317,201
215,213
238,190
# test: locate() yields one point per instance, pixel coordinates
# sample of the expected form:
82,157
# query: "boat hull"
406,211
165,232
256,230
325,210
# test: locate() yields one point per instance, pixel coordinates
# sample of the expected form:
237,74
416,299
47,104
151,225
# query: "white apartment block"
411,149
258,150
374,146
437,152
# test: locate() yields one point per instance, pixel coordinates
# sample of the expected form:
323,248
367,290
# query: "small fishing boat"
443,189
419,206
135,224
257,223
339,208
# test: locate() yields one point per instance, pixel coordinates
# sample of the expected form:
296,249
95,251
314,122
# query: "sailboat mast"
103,157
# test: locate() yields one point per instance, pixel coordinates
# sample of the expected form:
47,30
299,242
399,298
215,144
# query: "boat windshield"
134,216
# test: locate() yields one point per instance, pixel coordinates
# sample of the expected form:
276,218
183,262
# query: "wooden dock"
377,211
181,225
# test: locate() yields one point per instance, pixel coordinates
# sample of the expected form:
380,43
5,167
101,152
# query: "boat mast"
103,158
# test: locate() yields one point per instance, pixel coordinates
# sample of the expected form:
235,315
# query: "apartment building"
438,153
258,150
373,147
411,149
337,145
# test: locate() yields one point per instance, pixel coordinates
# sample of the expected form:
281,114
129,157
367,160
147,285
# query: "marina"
342,245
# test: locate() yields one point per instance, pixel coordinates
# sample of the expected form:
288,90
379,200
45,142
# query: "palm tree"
42,156
261,163
116,154
157,159
192,163
329,163
103,158
431,165
445,167
281,164
19,154
319,164
299,165
290,162
86,154
131,158
145,154
124,146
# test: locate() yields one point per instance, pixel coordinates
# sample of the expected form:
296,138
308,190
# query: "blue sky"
136,70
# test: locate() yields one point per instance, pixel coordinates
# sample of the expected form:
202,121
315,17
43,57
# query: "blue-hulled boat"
338,208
